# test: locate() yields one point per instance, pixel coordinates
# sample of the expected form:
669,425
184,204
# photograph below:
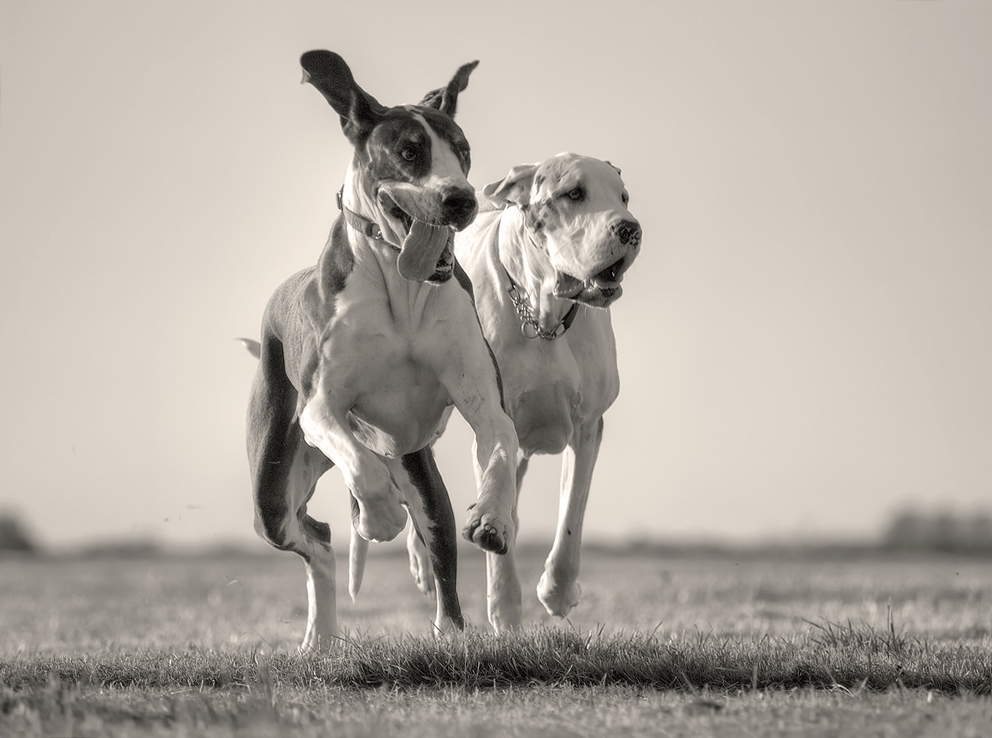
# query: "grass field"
661,645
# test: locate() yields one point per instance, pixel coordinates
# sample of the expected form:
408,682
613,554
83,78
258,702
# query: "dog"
546,263
361,355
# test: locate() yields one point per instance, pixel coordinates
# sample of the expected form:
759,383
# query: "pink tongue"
421,250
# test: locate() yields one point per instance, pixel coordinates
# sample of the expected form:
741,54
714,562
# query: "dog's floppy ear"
359,111
514,187
445,99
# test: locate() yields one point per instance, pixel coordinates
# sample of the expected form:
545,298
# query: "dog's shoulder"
287,295
311,293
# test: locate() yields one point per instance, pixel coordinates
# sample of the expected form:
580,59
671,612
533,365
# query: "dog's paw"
557,599
487,531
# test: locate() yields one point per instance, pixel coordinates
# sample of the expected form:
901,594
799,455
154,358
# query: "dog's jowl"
361,355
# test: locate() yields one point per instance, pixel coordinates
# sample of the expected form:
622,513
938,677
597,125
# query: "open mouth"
426,254
400,214
612,273
600,290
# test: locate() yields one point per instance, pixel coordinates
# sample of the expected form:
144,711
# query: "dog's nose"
626,231
459,207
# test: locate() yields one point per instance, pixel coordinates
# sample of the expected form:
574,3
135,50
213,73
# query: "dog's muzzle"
603,288
459,208
426,254
595,292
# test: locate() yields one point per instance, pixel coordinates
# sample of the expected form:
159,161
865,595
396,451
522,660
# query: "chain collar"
529,325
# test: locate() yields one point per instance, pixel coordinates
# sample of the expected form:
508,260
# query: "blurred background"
805,341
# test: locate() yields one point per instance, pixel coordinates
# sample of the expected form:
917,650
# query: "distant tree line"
909,530
13,536
941,531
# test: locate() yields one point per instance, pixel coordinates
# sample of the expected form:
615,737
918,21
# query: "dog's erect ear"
445,99
514,187
359,111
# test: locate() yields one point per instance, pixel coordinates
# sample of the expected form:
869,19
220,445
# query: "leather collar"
362,224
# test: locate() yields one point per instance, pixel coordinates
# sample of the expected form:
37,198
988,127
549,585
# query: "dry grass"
201,646
850,658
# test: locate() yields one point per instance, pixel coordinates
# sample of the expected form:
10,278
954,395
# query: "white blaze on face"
446,166
427,241
422,199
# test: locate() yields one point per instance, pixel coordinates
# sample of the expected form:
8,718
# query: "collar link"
530,327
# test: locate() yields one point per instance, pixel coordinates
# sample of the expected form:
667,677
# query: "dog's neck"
358,201
407,299
529,266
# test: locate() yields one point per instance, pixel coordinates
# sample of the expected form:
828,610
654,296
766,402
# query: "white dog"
545,266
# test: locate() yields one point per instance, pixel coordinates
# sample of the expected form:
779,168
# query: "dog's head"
575,208
410,167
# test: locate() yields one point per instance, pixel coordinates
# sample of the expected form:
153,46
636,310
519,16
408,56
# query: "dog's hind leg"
558,589
284,473
427,500
420,562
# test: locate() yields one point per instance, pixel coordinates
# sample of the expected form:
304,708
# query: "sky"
805,341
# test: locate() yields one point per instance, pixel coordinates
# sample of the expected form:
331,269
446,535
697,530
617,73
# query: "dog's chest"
377,367
552,386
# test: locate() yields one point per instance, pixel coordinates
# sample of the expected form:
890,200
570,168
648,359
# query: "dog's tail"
253,346
358,551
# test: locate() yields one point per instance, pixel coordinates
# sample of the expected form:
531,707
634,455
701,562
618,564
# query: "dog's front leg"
493,518
471,382
475,392
503,591
559,589
464,364
381,516
490,523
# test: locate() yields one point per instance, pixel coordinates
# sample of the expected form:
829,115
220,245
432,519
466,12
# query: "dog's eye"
575,195
408,154
624,198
